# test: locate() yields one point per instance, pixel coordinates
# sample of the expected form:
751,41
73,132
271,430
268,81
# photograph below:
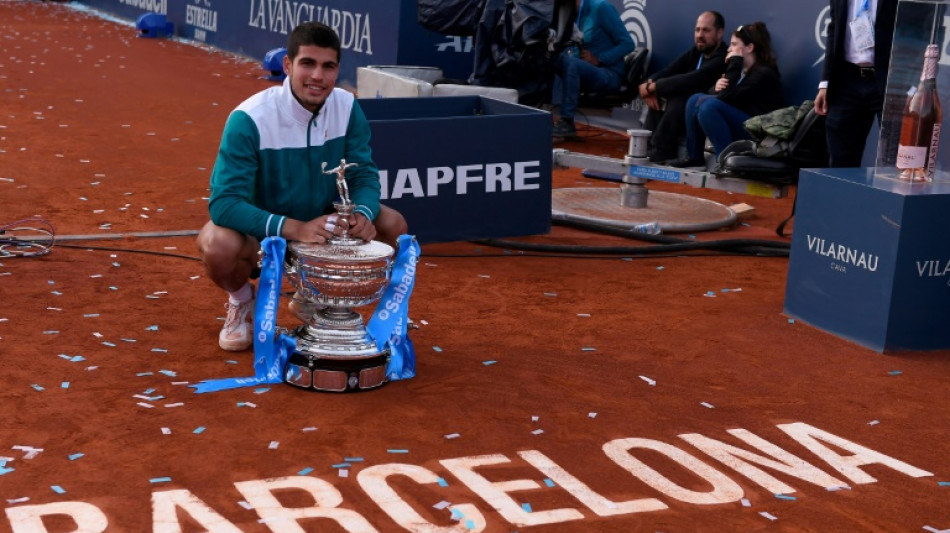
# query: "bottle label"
934,145
911,156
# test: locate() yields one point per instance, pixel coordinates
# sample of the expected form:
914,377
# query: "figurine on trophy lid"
334,351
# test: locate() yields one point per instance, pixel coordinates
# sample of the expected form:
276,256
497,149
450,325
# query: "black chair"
780,162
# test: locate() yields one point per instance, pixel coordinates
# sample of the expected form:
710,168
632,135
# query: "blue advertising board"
371,32
387,33
867,261
463,167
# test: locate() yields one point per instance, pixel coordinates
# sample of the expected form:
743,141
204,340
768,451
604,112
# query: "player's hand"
317,231
362,227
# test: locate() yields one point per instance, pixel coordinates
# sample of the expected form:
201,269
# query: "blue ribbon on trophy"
388,326
390,320
270,353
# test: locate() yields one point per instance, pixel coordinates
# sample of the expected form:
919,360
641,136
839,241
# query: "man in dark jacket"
666,92
854,78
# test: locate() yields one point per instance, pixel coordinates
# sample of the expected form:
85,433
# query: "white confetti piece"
343,472
145,405
309,429
273,445
452,436
245,505
769,516
591,415
166,431
707,405
441,505
874,422
537,432
649,381
745,502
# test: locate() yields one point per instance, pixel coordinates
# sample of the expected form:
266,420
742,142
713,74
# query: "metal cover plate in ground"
676,213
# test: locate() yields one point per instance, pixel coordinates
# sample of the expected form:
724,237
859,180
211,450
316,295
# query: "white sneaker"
237,334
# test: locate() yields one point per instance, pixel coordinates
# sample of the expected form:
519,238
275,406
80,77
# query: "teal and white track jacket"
269,162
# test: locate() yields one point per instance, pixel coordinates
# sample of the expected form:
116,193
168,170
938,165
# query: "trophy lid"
367,251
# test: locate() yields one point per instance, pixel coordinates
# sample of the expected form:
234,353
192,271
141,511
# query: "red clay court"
628,392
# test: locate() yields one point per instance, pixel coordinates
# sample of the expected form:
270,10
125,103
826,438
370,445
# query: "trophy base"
341,360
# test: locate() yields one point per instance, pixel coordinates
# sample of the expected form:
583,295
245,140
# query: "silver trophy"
334,351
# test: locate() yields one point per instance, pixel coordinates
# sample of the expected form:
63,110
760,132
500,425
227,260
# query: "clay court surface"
552,393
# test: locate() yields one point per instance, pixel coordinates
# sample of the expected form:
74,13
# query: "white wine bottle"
920,128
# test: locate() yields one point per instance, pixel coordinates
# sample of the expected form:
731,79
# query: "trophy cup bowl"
334,351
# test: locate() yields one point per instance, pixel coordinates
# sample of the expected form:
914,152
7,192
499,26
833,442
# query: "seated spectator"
750,86
598,64
666,92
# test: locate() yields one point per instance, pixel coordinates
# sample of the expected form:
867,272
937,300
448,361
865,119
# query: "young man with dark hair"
268,178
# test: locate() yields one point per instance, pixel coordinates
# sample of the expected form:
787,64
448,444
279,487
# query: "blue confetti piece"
199,430
526,507
152,328
64,385
113,288
148,391
489,363
305,471
342,465
660,268
159,480
5,470
57,489
77,359
943,483
38,387
397,450
548,482
64,356
456,514
895,372
353,459
791,320
261,390
785,497
168,373
436,348
470,524
442,482
74,456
